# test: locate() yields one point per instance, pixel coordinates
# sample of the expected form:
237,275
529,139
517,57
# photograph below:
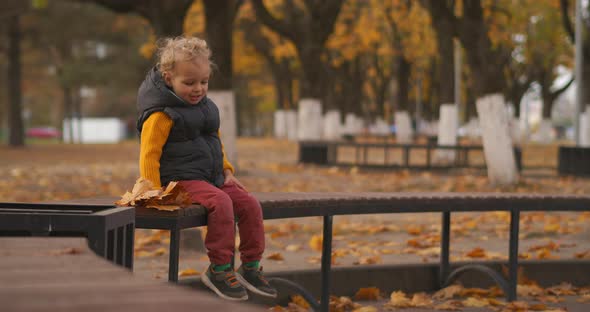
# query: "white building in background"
93,130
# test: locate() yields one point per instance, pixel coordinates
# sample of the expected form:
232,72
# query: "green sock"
221,267
252,264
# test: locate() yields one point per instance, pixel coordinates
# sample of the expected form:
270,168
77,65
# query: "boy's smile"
189,80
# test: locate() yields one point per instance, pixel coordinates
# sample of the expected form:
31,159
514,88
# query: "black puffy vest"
193,149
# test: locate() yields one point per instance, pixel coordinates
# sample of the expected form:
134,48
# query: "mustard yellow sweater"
154,134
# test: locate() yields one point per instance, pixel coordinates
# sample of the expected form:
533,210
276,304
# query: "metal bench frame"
328,205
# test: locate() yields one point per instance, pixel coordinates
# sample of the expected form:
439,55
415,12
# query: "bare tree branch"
567,22
280,26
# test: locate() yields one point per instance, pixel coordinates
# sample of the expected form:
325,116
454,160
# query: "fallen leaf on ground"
421,300
342,304
188,272
293,247
398,299
275,256
477,252
315,243
451,305
368,293
368,260
300,301
476,302
67,251
563,289
529,290
448,292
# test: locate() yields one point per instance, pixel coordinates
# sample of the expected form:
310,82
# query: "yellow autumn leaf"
368,260
551,227
188,272
368,293
476,302
398,299
366,309
451,305
275,256
421,300
448,292
315,243
477,252
563,289
529,290
300,301
293,247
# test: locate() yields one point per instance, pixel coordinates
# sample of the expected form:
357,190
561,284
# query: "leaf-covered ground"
56,172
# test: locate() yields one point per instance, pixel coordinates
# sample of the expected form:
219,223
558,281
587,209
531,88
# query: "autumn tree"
277,52
567,10
308,25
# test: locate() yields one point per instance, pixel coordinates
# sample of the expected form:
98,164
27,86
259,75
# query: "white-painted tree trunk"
280,124
497,144
380,127
309,119
403,128
585,128
352,124
447,133
332,125
291,119
225,101
545,133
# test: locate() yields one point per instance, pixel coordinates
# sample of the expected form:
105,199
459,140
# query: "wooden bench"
63,274
328,205
326,153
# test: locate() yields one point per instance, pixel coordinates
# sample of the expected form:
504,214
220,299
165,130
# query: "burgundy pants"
223,205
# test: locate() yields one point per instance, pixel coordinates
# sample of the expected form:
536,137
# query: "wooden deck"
63,274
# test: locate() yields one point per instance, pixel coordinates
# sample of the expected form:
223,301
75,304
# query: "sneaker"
224,284
255,282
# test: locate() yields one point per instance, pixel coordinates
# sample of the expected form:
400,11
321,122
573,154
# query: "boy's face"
189,80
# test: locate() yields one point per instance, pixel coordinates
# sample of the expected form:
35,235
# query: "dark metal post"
406,156
428,161
174,254
445,247
326,263
513,253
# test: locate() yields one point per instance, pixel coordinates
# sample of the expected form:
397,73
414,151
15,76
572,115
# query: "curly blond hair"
178,49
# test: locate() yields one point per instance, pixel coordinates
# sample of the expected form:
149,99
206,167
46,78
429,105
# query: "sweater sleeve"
154,134
226,163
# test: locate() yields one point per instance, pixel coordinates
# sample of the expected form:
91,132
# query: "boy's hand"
230,178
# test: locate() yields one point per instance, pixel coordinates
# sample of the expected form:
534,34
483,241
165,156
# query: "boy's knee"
222,203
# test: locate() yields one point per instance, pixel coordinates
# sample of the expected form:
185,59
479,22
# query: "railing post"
445,247
174,254
513,253
326,263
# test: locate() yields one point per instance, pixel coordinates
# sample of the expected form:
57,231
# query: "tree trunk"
68,113
219,25
16,126
308,29
166,17
446,61
403,84
485,61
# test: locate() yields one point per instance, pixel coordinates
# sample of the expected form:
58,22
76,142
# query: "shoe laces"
231,278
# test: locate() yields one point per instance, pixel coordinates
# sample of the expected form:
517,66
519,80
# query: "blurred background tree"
370,58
